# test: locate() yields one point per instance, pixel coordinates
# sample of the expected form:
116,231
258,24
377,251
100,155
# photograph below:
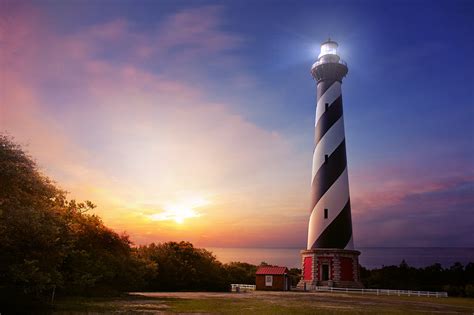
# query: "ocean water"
371,257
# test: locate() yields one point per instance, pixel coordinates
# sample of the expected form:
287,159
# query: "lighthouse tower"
330,258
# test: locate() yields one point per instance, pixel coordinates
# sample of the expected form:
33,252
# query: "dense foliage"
458,280
183,267
52,246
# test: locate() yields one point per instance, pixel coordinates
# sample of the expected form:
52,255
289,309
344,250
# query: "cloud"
128,117
434,214
132,135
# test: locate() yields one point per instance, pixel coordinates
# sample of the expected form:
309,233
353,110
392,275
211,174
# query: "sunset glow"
180,211
196,123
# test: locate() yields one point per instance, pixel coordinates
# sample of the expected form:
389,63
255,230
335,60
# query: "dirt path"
332,301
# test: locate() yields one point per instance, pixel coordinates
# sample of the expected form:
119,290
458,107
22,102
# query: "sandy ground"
261,302
335,301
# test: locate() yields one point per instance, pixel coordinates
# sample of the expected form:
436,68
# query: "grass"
265,303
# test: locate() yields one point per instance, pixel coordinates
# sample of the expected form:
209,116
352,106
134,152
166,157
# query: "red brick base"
330,267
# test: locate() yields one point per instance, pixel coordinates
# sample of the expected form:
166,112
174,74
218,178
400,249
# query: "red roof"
271,270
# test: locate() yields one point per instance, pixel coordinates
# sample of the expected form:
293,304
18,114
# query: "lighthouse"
330,258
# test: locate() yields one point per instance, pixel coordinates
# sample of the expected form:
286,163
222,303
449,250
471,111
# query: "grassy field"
265,303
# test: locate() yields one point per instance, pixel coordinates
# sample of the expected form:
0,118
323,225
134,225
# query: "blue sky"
408,102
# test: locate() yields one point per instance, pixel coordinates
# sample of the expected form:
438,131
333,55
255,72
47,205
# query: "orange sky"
139,144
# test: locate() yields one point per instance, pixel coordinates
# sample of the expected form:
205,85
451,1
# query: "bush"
183,267
469,290
239,272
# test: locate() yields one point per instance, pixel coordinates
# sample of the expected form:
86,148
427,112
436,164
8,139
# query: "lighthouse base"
330,267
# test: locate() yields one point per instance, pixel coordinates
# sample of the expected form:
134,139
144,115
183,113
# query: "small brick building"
272,278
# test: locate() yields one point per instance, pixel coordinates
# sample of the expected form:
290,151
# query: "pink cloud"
438,213
384,185
112,31
121,135
199,29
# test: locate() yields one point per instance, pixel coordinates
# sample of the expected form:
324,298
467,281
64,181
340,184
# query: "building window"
326,213
268,281
326,158
326,106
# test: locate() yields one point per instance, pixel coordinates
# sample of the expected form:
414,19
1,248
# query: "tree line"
51,246
457,280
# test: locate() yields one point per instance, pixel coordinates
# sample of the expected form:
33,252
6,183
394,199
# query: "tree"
31,225
295,276
48,242
456,280
183,267
239,272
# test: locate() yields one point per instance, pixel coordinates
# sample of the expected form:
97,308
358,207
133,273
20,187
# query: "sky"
193,120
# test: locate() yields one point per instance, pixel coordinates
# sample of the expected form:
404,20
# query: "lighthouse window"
326,106
326,213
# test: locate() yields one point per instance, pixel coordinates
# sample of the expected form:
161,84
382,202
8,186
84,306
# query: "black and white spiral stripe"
330,185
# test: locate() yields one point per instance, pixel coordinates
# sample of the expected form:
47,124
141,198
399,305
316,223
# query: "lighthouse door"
325,272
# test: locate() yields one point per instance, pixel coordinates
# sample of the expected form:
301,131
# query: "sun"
180,211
